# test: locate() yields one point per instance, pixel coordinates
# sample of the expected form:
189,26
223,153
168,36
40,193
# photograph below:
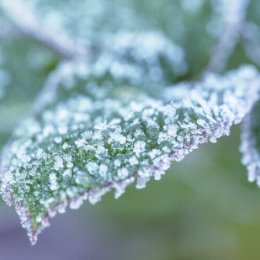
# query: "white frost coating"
250,145
192,6
68,27
251,35
232,14
131,55
149,47
23,14
231,10
121,140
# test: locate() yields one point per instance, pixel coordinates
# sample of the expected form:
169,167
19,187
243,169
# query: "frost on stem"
100,132
232,14
250,144
69,27
24,16
251,35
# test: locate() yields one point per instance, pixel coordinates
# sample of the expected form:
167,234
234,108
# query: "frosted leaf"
250,144
152,51
251,33
106,140
71,19
72,25
126,58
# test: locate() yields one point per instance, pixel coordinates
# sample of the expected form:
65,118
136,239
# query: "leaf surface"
95,130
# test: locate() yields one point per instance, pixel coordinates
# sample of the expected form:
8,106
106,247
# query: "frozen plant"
118,105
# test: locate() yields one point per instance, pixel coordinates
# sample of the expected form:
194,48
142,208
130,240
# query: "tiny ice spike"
94,133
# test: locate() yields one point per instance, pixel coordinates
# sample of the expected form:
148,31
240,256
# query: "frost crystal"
103,141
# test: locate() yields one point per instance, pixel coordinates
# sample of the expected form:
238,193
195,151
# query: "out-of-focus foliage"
25,66
90,22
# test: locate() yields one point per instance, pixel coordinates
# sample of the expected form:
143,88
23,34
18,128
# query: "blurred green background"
203,208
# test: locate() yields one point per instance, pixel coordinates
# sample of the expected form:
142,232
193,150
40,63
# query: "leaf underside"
95,131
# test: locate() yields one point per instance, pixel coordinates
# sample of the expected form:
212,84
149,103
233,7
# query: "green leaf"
143,53
250,144
94,131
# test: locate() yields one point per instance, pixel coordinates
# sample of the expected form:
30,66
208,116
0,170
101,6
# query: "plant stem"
25,21
233,14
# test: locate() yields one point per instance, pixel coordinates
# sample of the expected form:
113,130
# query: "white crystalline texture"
227,26
121,140
128,56
250,144
139,147
123,173
103,170
149,48
92,167
53,182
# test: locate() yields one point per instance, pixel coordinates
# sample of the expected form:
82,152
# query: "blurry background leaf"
26,65
93,21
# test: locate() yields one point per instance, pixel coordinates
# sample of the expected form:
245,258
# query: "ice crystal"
102,141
